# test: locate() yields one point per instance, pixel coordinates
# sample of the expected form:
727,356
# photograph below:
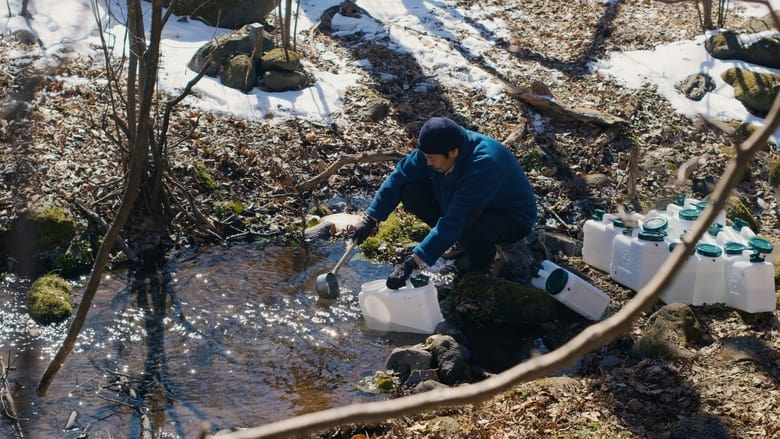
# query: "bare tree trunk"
706,6
139,149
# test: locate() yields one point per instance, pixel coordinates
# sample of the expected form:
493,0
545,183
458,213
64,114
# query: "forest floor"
53,148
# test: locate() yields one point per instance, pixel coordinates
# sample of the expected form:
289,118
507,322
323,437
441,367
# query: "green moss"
49,300
77,258
204,178
533,159
394,235
53,227
224,209
735,208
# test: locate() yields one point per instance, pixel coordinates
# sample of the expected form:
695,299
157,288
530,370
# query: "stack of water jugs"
731,264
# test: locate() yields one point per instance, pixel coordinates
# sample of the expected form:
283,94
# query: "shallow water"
234,336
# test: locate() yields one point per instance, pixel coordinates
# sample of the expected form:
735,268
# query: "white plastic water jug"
749,280
407,309
598,233
686,218
636,259
700,280
709,285
571,290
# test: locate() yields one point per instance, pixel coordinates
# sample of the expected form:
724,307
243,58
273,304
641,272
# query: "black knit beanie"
439,135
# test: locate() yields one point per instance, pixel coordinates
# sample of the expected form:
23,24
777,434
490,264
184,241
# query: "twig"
349,159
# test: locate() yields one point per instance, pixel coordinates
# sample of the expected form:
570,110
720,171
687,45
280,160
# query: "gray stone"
230,14
448,356
418,376
762,48
405,360
695,86
284,81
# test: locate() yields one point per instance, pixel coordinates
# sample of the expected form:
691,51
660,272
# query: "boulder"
762,48
669,333
755,90
230,14
405,360
280,59
277,81
220,50
449,358
240,73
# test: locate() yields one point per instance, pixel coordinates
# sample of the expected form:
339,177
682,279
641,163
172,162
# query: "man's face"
441,163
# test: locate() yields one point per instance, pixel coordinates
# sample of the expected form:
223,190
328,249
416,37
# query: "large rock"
222,49
669,333
240,73
762,48
48,300
230,14
755,90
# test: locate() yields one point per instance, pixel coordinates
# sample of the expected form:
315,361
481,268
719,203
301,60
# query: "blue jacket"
485,176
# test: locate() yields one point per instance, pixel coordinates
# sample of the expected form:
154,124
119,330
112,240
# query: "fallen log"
539,96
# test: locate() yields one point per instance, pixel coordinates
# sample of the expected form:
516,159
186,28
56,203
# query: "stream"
235,336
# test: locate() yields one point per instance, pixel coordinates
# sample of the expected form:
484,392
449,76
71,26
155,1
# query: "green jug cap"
734,248
760,244
556,281
715,229
655,225
618,222
651,236
598,214
738,224
689,214
679,200
628,231
710,250
701,205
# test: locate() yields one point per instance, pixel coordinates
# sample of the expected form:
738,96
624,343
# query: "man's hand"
399,276
363,229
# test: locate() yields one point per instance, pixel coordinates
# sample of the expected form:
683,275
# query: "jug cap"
710,250
701,205
628,231
618,222
651,236
556,281
679,199
715,229
734,248
655,224
598,214
738,224
689,214
760,244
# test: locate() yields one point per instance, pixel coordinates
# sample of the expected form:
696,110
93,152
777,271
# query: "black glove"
399,276
363,229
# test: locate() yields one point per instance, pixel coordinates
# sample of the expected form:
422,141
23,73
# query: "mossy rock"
735,208
484,300
51,226
394,236
280,59
48,300
757,91
668,332
240,73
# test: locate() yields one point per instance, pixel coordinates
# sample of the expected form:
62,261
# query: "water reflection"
235,336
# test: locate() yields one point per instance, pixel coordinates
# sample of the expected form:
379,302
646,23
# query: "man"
466,186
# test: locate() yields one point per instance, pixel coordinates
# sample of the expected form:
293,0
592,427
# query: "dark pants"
482,233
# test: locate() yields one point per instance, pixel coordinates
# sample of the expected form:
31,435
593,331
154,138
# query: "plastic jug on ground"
636,259
571,290
598,233
749,280
408,309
